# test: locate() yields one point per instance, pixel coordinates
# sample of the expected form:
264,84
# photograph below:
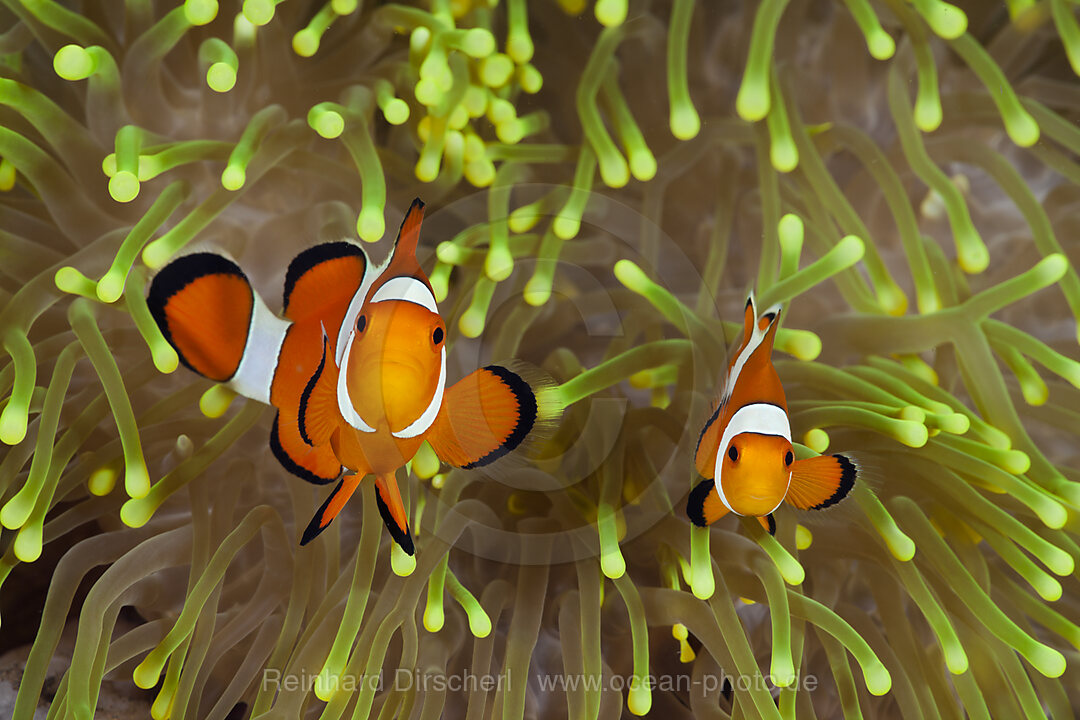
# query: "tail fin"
821,481
204,305
219,326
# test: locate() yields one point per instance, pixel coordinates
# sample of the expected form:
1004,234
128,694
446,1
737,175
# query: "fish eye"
361,323
789,458
437,335
733,453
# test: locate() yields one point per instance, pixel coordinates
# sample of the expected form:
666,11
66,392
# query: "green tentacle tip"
639,698
496,70
327,123
684,121
1046,660
327,684
612,562
396,111
221,77
880,44
136,480
259,12
801,344
147,673
782,670
27,545
1021,127
955,658
783,155
478,43
817,440
790,569
479,622
73,62
110,287
702,582
928,113
200,12
344,7
16,511
877,677
1050,269
401,563
753,103
947,21
630,275
136,513
70,280
305,43
804,538
611,12
216,400
13,422
499,263
102,481
124,186
233,177
370,224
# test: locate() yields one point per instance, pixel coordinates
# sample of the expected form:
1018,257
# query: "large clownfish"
356,367
744,451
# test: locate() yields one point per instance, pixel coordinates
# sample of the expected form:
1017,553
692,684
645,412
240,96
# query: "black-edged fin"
703,506
492,412
769,523
705,452
318,414
203,304
317,465
392,509
323,279
331,507
821,481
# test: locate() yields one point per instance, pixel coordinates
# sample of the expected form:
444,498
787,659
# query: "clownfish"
744,451
356,368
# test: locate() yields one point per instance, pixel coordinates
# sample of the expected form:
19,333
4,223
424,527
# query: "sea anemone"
605,183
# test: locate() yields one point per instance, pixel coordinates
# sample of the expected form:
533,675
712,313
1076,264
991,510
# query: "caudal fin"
821,481
204,304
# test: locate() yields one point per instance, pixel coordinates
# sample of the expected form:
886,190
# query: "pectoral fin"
486,415
704,506
318,465
821,481
318,413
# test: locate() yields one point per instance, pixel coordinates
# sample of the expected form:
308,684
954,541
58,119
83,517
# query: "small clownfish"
356,367
744,451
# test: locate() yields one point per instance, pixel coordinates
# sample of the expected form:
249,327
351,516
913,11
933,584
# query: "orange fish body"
744,451
356,367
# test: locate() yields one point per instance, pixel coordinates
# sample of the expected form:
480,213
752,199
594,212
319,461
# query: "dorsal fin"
322,280
402,262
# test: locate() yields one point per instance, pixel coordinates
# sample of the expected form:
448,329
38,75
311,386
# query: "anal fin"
393,512
768,522
330,509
